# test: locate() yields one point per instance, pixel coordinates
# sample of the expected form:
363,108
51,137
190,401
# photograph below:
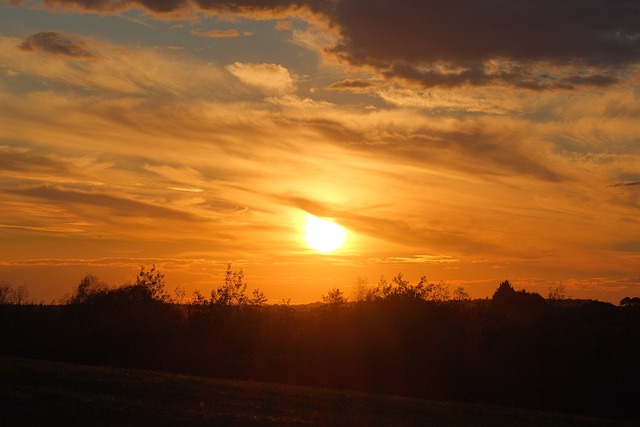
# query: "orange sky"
467,142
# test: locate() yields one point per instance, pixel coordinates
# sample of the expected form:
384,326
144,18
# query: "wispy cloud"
417,259
111,68
625,184
355,85
115,205
216,34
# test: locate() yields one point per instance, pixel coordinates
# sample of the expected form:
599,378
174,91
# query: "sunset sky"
466,141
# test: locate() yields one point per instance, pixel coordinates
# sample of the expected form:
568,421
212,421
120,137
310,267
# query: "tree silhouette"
15,296
630,302
401,289
517,305
460,294
505,292
515,349
90,287
258,298
557,293
434,292
153,281
334,298
5,293
363,291
233,291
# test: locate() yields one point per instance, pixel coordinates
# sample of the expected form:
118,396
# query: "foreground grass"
48,393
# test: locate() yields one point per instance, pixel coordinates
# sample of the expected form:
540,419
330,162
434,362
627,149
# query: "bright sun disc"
323,235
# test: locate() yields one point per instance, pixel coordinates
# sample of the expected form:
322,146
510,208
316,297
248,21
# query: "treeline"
516,348
14,295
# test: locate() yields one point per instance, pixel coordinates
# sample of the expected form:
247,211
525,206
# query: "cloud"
480,146
628,246
186,190
533,76
254,8
625,184
542,44
456,171
120,206
532,45
455,100
112,69
284,25
355,85
319,38
216,34
271,78
57,43
20,164
417,259
176,174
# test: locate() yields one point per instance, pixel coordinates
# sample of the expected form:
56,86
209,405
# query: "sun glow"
323,235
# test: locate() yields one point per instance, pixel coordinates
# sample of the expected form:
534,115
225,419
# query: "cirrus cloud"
218,34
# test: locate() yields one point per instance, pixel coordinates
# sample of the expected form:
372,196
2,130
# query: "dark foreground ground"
39,393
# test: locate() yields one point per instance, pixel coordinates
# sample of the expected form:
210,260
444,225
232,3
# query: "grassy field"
39,393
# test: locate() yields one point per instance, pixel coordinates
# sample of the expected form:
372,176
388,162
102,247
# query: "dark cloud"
165,6
57,43
527,76
160,6
535,44
353,85
514,42
462,31
155,5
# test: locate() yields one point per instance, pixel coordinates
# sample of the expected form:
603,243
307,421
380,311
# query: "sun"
323,235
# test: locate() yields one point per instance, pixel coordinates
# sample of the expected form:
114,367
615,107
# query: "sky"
468,142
